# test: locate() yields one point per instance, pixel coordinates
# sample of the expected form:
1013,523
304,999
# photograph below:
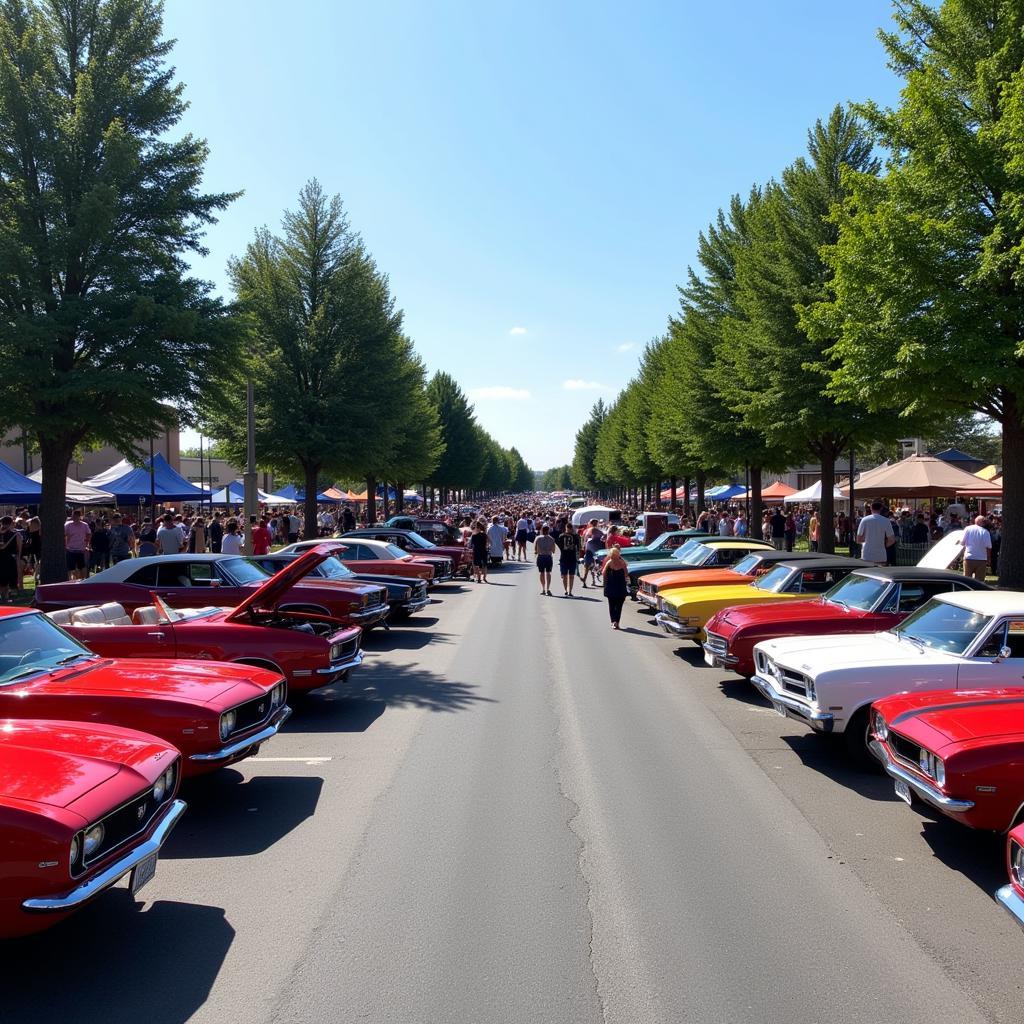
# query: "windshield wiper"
73,657
914,640
841,604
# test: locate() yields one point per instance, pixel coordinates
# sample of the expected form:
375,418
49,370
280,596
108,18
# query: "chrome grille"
716,645
252,712
374,599
904,750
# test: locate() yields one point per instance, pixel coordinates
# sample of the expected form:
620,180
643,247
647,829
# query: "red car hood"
938,718
439,551
815,611
269,594
196,681
56,763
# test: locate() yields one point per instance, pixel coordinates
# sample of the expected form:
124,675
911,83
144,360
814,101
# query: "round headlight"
1017,861
169,779
277,696
924,762
159,789
76,849
93,839
881,729
940,771
227,724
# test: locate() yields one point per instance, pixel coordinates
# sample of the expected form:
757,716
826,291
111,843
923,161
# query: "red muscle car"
409,540
81,806
309,651
960,751
215,714
384,559
184,581
866,601
1011,896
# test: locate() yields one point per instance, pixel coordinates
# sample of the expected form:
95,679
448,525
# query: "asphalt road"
513,814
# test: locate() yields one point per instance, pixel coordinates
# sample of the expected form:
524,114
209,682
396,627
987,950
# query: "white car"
973,639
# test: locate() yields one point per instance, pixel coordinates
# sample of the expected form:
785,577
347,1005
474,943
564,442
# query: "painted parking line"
299,760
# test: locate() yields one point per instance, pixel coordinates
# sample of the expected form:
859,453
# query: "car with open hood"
869,600
963,641
81,806
415,544
684,612
309,650
214,713
185,581
958,751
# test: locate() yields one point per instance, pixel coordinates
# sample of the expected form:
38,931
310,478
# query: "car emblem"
140,812
262,709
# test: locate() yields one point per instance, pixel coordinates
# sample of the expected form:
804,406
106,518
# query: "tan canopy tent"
921,476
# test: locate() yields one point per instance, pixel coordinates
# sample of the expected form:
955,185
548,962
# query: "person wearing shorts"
77,537
521,539
594,543
478,543
569,543
544,548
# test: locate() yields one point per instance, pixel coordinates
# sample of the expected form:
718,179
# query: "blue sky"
531,176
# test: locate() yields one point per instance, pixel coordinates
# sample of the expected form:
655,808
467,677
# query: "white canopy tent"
813,493
583,515
79,493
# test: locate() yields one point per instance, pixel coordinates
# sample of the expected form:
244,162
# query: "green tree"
325,350
609,462
459,466
584,475
927,313
520,474
638,413
101,329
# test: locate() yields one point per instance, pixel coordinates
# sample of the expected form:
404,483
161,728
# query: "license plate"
778,708
142,873
710,659
903,790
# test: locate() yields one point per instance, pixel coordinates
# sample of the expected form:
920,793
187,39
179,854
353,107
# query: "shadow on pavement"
416,622
690,654
827,755
739,689
401,640
231,816
114,962
978,856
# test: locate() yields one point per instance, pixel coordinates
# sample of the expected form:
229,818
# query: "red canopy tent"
777,490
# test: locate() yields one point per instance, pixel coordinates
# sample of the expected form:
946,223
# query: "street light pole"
249,478
152,483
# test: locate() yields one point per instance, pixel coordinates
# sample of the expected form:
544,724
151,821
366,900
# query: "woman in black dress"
616,584
10,558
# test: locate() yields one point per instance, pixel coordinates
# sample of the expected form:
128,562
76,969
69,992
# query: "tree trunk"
754,524
399,499
311,529
686,497
827,452
1011,550
701,478
384,499
672,496
371,500
56,457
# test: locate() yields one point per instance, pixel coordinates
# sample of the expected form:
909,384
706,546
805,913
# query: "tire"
856,737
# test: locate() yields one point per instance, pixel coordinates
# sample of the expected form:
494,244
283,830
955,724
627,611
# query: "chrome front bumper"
270,729
1010,901
820,721
414,605
714,657
337,667
651,600
371,616
674,627
116,871
928,793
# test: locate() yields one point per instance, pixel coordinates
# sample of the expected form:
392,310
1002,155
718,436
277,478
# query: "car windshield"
419,541
32,643
241,571
774,580
660,542
393,551
693,553
746,565
856,591
188,614
942,626
332,569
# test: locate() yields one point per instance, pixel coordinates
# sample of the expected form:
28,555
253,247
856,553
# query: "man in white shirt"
875,535
977,544
496,534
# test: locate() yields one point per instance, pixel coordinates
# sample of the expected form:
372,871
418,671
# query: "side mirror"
1004,653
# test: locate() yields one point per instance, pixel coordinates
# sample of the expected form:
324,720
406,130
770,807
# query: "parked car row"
919,668
99,726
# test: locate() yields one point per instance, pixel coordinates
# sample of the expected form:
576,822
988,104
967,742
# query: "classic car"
1011,895
437,531
214,713
227,580
685,612
661,547
374,556
698,553
81,806
961,641
406,594
411,541
959,751
309,651
869,600
746,570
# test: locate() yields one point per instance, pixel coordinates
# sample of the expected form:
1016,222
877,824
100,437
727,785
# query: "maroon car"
866,601
186,581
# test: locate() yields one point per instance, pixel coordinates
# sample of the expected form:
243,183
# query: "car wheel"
856,737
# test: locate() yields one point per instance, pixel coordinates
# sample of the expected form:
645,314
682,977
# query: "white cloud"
627,346
518,330
582,385
500,393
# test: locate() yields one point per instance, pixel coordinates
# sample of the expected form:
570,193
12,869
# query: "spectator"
496,535
977,544
147,539
292,522
348,520
232,542
100,547
777,525
216,533
875,535
813,531
198,539
77,541
32,545
919,531
790,533
122,539
260,536
479,544
10,558
169,540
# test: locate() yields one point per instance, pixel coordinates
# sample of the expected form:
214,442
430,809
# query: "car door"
986,668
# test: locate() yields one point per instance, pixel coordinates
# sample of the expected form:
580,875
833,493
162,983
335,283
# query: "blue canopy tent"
234,494
291,493
134,486
724,492
16,489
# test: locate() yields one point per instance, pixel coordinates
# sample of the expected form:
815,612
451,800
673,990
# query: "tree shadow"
827,755
979,856
118,962
232,816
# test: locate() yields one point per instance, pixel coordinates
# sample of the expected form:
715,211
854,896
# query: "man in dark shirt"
778,525
216,533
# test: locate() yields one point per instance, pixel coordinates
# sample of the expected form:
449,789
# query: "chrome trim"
651,600
1010,900
277,720
714,652
415,605
925,790
674,626
374,614
822,721
337,667
116,871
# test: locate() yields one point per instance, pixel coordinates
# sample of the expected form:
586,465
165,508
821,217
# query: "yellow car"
685,612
